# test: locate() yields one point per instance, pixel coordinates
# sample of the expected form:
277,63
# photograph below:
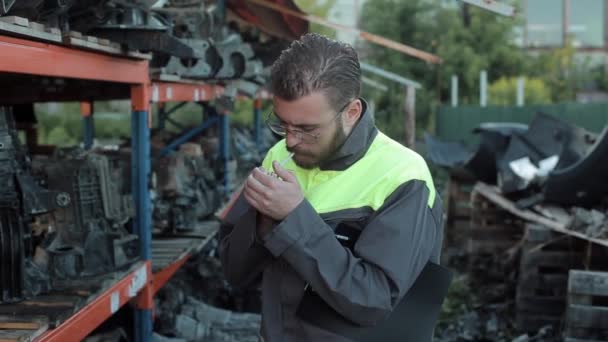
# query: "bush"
504,92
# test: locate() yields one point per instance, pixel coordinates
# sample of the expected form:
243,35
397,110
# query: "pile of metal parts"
185,191
549,161
61,218
91,235
189,38
21,200
197,304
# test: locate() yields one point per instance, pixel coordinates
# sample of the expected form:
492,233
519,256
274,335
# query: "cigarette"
287,159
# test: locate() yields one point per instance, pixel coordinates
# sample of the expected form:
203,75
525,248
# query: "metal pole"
410,116
225,149
88,125
257,123
566,22
454,91
521,81
187,136
483,88
140,174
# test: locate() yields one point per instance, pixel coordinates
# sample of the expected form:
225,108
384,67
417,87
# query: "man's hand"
273,197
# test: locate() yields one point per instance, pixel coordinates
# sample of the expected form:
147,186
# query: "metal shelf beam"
33,58
184,92
83,322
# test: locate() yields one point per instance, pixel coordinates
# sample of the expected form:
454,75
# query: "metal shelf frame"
115,77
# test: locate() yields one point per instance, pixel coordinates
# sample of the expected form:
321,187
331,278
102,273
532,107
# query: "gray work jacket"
399,231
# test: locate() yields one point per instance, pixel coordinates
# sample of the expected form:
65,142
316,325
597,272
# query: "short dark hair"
317,63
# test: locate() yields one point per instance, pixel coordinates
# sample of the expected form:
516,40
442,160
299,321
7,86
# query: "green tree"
563,72
59,136
319,8
468,40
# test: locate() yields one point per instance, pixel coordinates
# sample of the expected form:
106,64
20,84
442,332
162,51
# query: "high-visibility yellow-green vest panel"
367,183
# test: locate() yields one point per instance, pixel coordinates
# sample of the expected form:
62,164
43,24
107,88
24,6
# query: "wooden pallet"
543,277
457,204
458,199
545,261
587,315
492,230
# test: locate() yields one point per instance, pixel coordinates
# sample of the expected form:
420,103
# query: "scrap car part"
5,6
493,141
446,154
12,250
547,136
143,30
237,59
194,19
20,199
205,67
185,189
582,183
91,237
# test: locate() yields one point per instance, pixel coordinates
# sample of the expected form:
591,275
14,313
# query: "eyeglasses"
304,134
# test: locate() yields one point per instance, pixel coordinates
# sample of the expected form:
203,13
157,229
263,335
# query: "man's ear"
353,113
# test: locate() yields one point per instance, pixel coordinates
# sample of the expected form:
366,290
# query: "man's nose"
292,139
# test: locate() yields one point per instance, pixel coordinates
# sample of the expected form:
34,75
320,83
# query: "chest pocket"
348,225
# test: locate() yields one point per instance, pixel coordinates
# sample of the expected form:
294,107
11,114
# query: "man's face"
312,114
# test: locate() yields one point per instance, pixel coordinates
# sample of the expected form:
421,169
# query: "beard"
314,160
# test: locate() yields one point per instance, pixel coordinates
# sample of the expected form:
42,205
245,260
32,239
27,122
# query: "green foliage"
559,71
483,42
112,128
61,124
469,40
600,77
243,113
503,92
318,8
460,299
60,136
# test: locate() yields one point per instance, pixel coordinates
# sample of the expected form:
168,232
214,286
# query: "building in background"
548,23
346,12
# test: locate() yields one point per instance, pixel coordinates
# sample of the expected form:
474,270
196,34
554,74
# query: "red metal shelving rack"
30,62
87,76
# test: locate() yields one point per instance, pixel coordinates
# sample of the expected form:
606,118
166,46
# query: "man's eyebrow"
304,126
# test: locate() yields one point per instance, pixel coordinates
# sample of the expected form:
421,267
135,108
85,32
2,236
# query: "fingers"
284,173
256,193
253,198
263,178
255,184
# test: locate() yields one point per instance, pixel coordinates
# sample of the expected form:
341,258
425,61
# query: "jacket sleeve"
366,284
243,256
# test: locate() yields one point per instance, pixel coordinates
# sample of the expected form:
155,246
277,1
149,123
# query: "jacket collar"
356,144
